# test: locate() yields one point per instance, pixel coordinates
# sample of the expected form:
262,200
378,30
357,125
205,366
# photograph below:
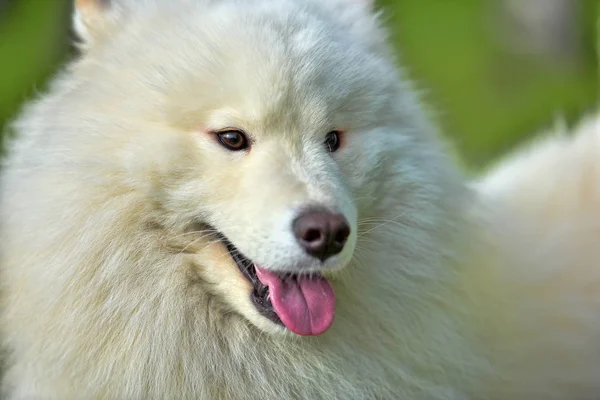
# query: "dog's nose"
321,233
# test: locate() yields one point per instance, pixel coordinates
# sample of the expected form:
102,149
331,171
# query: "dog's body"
115,285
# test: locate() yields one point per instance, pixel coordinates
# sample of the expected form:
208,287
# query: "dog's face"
260,128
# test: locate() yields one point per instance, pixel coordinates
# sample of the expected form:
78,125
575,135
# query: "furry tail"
560,170
541,288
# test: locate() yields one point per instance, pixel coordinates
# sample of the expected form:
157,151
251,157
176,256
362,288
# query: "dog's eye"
332,141
233,140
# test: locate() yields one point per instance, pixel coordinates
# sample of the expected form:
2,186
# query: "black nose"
321,233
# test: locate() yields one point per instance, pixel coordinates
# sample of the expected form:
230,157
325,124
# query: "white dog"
243,199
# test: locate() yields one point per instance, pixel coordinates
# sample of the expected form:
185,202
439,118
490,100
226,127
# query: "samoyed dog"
244,199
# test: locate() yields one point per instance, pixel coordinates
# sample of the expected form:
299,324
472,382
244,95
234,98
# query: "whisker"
385,222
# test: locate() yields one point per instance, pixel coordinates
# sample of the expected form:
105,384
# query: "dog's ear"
362,19
367,3
352,10
364,4
94,20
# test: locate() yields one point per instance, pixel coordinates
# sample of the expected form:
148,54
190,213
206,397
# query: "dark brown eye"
332,141
233,140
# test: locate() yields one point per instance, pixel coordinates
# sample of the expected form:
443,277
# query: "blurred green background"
493,71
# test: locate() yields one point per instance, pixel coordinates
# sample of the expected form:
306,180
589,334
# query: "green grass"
487,100
32,43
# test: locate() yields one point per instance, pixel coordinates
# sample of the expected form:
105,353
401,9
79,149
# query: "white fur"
111,289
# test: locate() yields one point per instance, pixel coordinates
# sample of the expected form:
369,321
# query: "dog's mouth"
303,303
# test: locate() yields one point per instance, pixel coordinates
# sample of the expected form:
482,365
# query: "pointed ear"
94,20
367,4
362,19
351,10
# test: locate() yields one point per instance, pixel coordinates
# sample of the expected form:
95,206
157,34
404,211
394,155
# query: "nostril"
342,235
321,233
312,235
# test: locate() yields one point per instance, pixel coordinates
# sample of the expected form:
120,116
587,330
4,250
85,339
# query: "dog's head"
262,130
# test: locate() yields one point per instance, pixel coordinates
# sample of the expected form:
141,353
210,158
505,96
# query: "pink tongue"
306,306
